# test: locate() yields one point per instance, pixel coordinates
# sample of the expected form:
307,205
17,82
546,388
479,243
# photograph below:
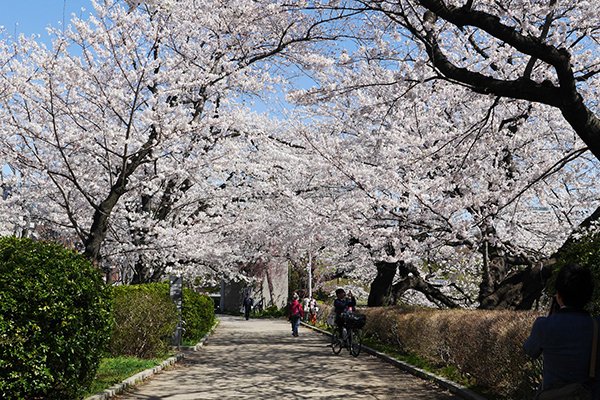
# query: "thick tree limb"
565,96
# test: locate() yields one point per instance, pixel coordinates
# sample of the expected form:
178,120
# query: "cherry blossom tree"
538,51
447,148
451,135
124,119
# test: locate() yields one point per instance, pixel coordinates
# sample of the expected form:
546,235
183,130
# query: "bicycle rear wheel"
336,341
356,343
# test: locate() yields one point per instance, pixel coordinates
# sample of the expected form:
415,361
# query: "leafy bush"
586,252
198,312
485,346
54,320
145,320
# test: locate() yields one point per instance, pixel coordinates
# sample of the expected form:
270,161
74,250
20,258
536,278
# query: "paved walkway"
259,359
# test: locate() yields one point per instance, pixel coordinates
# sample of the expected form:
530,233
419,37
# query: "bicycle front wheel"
336,341
356,343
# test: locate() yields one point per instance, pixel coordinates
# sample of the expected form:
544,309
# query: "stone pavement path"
259,359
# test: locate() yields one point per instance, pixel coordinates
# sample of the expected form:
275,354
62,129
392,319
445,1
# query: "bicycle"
351,334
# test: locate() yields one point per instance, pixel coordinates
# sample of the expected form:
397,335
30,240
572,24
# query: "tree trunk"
102,213
381,287
139,272
521,289
93,242
494,272
145,272
270,284
411,279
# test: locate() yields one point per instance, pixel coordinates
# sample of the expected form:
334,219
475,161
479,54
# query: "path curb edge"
141,376
135,379
451,386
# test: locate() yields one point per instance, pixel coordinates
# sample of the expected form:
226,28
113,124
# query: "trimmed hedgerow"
145,320
484,346
54,320
198,312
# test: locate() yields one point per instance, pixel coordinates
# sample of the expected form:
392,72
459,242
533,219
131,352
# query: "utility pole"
309,274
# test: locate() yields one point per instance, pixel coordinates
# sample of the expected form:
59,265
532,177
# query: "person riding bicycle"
341,305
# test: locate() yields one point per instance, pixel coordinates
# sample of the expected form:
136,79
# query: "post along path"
259,359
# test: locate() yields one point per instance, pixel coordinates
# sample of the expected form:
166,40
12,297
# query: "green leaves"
586,252
198,313
54,320
145,320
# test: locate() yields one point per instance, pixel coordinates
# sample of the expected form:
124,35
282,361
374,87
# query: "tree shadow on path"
259,359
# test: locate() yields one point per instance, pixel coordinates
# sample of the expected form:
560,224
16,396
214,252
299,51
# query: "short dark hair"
575,285
339,290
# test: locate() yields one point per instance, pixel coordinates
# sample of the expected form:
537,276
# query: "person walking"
248,302
313,309
350,301
305,306
296,313
567,338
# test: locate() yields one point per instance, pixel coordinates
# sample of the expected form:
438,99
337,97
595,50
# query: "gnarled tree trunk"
381,287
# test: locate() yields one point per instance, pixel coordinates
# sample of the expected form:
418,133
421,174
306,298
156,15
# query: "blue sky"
33,16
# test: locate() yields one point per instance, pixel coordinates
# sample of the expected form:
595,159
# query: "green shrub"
145,320
586,252
54,320
198,312
271,312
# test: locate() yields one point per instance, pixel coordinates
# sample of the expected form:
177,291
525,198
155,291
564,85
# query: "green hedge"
198,312
145,320
54,320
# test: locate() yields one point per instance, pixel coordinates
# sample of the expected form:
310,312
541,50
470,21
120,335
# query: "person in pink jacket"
296,314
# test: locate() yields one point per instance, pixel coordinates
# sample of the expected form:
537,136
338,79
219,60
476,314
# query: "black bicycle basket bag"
355,321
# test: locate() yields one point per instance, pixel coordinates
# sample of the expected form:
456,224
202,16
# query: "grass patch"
269,312
189,342
116,370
